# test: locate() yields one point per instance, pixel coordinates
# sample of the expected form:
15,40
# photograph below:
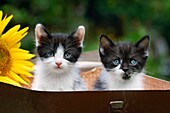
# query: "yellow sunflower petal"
16,39
23,67
8,35
4,18
17,50
25,78
8,81
1,18
1,14
22,56
21,71
24,30
27,63
19,34
17,45
4,22
17,78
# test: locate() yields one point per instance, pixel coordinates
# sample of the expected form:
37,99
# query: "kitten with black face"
56,57
124,64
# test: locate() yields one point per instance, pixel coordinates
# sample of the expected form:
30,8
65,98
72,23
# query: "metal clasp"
116,106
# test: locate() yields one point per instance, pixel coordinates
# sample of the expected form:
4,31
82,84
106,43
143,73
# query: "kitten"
57,54
124,64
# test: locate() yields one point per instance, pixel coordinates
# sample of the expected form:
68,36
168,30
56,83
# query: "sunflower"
15,66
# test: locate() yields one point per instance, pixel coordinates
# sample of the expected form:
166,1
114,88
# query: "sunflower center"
5,59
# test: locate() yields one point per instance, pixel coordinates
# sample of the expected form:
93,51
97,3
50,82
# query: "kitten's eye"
67,55
50,54
116,62
133,62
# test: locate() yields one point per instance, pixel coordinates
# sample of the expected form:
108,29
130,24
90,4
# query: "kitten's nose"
125,69
58,64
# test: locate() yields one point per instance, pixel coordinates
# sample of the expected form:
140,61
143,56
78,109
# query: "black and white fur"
57,54
123,64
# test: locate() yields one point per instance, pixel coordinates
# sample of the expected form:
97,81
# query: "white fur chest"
49,80
115,82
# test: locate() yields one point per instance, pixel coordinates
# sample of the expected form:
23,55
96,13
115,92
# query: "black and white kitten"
57,54
124,64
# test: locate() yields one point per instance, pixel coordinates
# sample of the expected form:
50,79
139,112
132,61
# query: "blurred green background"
121,20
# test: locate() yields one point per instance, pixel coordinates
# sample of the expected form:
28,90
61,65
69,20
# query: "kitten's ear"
105,43
143,43
80,32
40,32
